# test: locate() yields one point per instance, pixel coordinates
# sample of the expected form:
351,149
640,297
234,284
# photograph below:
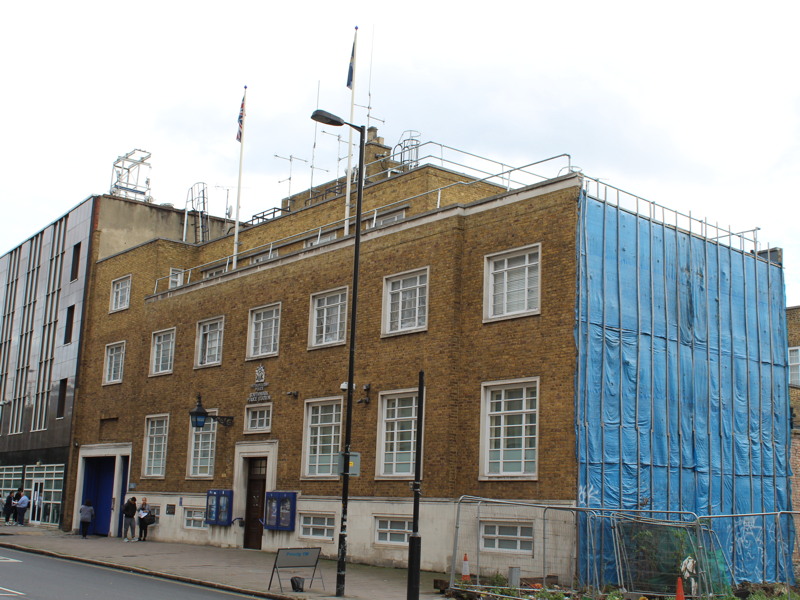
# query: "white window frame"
201,345
394,298
489,427
505,535
216,272
155,510
307,529
533,296
156,350
120,294
319,316
148,462
387,218
264,256
321,238
175,277
249,409
252,352
312,431
388,433
109,372
192,515
386,527
794,366
198,438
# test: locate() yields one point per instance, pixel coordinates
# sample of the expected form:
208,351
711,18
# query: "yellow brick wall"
458,352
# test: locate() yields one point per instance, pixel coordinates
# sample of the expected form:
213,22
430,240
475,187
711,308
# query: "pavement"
231,569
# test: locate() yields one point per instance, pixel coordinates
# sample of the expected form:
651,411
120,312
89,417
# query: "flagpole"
351,83
240,138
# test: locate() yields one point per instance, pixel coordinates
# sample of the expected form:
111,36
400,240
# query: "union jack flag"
351,68
241,119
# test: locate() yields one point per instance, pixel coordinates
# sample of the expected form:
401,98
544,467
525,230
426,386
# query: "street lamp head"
326,118
199,414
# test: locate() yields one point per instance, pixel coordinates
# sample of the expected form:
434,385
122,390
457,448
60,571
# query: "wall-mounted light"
365,399
294,394
199,416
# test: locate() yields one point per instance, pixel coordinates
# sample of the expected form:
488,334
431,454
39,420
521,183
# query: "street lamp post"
327,118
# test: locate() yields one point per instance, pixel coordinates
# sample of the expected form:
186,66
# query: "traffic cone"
679,590
465,569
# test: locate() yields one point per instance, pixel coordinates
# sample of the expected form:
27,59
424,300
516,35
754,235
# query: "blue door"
98,486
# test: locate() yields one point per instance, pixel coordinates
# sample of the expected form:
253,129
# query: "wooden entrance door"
254,511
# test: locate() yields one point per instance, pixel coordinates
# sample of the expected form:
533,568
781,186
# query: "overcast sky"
693,105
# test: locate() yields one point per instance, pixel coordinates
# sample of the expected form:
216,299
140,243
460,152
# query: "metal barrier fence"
642,551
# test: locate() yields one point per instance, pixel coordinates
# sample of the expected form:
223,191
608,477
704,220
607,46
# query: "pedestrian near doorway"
87,516
8,508
22,506
129,519
144,519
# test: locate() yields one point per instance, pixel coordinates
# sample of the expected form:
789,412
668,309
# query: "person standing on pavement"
22,505
8,508
144,511
129,519
87,515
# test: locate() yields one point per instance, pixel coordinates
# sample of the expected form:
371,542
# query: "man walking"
22,506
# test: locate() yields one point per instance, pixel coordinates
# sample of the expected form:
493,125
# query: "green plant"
497,580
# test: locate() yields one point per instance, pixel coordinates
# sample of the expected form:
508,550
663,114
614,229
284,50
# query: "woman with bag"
146,518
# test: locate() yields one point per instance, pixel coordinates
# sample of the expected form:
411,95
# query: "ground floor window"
10,479
507,537
318,526
45,485
194,518
390,530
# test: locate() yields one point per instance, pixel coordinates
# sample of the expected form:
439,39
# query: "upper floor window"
794,366
511,283
258,418
320,238
322,437
69,323
121,293
405,302
265,324
263,257
175,277
115,359
155,446
387,219
76,262
509,440
328,317
209,342
203,447
213,272
398,435
162,352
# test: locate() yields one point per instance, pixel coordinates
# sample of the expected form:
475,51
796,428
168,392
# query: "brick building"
44,282
793,333
512,295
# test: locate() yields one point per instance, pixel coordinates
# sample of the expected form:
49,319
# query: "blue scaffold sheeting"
682,399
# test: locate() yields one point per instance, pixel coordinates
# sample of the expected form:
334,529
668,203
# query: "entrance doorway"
254,510
98,486
37,495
